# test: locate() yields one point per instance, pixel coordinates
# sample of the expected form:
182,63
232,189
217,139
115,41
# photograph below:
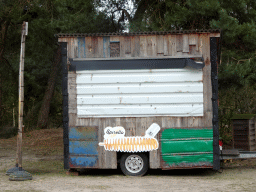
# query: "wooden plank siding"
106,47
88,46
140,46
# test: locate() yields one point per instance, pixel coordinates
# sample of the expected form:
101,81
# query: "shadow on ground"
151,172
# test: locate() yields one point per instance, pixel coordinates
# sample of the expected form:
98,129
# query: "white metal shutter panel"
138,93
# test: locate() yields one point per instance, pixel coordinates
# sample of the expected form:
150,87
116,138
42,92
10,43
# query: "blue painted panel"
83,147
83,162
81,47
83,133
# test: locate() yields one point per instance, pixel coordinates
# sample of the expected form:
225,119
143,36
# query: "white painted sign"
114,132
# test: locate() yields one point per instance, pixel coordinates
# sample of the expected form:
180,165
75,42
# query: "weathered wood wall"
139,46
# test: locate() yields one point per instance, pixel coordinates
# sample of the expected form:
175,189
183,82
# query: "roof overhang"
78,64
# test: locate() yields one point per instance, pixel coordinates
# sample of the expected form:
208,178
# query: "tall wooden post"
19,174
24,32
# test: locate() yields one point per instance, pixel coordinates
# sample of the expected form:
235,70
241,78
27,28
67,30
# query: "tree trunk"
45,108
1,111
3,36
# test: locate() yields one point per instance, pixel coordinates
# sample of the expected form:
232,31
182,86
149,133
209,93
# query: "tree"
45,18
79,17
237,80
11,15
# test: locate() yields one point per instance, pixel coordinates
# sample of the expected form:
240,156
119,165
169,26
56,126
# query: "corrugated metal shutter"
137,93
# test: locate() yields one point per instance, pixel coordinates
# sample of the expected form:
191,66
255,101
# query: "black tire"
134,164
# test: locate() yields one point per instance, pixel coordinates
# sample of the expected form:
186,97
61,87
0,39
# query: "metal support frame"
214,79
65,103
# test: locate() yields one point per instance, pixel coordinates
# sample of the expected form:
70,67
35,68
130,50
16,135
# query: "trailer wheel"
134,164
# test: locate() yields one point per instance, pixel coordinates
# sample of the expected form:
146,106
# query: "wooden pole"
24,32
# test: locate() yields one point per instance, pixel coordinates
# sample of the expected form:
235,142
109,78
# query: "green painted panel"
197,144
187,133
178,159
187,146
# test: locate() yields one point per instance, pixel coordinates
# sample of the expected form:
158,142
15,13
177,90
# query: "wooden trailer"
141,100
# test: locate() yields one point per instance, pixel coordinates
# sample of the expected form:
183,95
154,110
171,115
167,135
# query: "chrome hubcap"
134,163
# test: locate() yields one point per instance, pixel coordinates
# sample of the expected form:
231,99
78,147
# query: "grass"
42,152
51,167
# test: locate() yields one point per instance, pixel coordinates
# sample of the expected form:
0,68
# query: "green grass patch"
43,167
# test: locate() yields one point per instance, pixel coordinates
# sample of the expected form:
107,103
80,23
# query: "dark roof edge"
138,33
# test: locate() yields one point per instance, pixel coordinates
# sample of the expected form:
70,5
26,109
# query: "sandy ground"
229,180
46,166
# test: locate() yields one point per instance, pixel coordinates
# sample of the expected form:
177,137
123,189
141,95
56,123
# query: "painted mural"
115,140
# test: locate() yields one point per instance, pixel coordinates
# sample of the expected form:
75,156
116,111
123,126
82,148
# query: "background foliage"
237,69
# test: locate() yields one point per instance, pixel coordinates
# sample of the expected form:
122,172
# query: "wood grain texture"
63,39
154,156
179,43
72,119
122,46
193,121
214,35
172,45
193,39
72,47
185,43
141,126
204,48
88,51
179,55
100,48
114,39
81,47
208,119
72,98
143,46
106,47
160,44
149,45
75,47
135,46
127,46
68,48
95,47
200,121
166,45
130,126
193,50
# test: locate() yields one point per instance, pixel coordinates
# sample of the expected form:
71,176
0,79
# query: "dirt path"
45,163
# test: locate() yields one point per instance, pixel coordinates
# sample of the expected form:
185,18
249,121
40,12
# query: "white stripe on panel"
141,110
191,87
139,99
131,93
186,69
138,77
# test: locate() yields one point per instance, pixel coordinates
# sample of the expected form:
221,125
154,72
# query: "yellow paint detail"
130,144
